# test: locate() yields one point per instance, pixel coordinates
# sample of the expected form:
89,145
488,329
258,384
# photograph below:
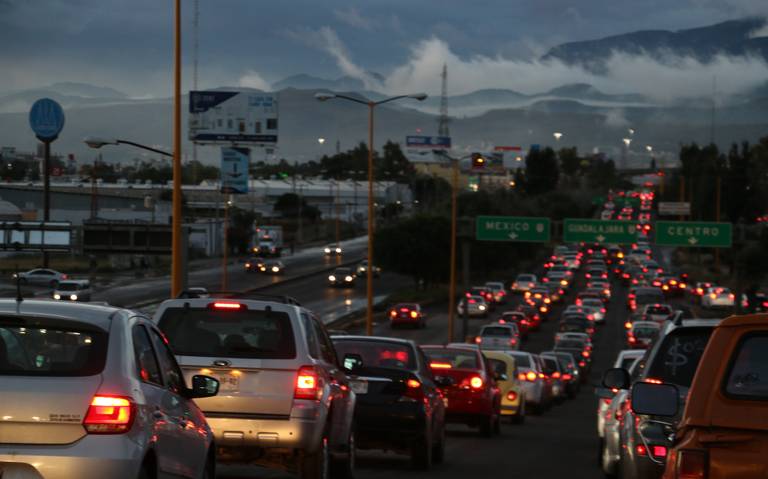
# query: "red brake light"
404,310
412,383
691,464
641,450
439,365
109,415
307,384
659,451
521,376
478,340
224,305
556,375
393,313
585,354
511,396
472,301
567,377
476,382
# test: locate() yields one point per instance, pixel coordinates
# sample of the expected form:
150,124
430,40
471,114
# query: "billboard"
234,170
233,117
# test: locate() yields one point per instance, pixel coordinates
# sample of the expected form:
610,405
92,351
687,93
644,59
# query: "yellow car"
512,396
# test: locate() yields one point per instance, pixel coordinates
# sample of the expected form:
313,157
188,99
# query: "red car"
474,397
519,318
407,314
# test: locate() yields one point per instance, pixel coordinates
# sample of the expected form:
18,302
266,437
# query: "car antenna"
19,297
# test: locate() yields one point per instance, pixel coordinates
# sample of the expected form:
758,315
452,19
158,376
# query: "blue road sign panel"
46,118
428,142
234,170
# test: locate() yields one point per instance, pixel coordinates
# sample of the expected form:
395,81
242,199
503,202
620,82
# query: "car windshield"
678,355
645,332
456,358
229,333
497,331
748,374
378,354
526,278
50,351
342,271
570,344
522,360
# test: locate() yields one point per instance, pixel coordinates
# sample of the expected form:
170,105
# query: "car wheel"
487,426
316,465
345,468
497,425
438,450
519,418
421,452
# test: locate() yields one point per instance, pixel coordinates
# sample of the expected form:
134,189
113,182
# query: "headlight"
481,307
327,250
275,269
338,250
57,296
73,297
14,276
348,278
331,278
247,265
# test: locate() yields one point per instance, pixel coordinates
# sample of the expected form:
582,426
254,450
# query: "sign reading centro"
687,233
512,228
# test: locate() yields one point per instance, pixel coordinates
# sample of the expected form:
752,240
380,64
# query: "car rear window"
658,310
496,331
525,277
378,354
237,333
67,286
46,351
522,360
678,355
748,375
645,332
626,363
570,344
457,358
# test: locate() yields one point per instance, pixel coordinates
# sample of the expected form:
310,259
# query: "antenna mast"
442,125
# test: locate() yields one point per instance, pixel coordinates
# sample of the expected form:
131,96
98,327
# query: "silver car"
612,415
94,392
537,395
499,337
285,400
40,277
625,359
73,290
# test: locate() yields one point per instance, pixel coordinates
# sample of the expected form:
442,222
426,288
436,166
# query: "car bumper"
379,426
534,393
92,457
292,433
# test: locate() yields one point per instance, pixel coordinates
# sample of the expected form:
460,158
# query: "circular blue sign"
46,118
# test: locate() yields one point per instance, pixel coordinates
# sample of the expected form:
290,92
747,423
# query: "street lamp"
321,140
557,135
371,106
97,142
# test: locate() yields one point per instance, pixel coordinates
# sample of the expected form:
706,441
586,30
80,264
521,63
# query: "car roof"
646,324
387,339
95,314
76,281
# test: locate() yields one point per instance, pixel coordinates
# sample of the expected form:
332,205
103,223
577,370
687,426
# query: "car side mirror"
352,362
203,387
655,399
444,381
616,378
500,377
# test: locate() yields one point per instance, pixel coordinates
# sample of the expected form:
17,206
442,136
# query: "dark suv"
644,440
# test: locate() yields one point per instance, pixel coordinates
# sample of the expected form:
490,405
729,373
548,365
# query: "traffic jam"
210,380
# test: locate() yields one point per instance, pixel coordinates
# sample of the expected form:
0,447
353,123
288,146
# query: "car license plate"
359,387
228,382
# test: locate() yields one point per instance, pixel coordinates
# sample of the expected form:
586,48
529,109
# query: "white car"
475,306
597,306
95,392
610,447
623,360
332,250
73,290
499,337
524,282
657,312
717,297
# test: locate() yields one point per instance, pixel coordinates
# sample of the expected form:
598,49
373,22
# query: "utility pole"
95,189
225,255
465,248
682,194
452,287
443,120
717,218
195,55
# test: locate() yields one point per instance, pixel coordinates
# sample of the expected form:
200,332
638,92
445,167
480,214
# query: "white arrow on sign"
692,240
600,238
512,235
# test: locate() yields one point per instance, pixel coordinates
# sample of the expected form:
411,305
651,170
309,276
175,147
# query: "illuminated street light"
627,141
649,148
321,140
557,135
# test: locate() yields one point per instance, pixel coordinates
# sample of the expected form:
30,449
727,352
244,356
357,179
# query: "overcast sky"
127,44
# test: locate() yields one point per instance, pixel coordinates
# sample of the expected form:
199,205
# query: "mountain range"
589,118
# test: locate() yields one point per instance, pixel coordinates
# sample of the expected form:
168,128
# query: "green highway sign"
511,228
596,231
688,233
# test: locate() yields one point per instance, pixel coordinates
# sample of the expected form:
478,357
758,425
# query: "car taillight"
478,340
641,450
585,354
307,384
414,314
393,313
512,341
713,296
692,464
511,396
476,382
582,363
530,376
440,365
659,451
109,415
631,339
521,376
227,306
556,375
567,377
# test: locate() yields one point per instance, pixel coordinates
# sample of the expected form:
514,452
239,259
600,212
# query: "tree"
288,206
570,162
394,165
418,247
541,171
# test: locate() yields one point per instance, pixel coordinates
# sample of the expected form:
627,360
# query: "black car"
569,366
399,406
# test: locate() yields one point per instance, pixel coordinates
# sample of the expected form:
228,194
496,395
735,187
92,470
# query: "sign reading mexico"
233,117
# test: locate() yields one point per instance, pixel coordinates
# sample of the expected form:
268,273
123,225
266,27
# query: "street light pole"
369,270
452,287
176,242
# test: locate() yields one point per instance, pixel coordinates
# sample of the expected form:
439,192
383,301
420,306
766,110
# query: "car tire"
487,426
316,465
519,418
345,468
438,449
497,425
421,453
